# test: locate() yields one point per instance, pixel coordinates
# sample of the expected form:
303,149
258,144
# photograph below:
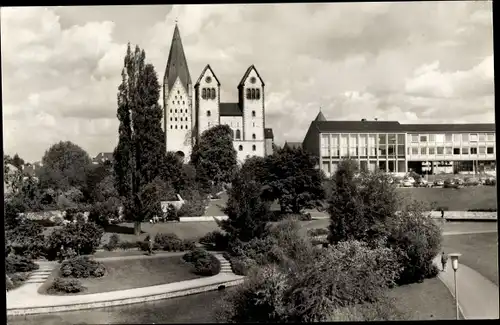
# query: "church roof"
203,72
320,117
268,133
230,109
245,76
293,145
177,65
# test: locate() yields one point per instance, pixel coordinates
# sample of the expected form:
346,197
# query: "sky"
414,62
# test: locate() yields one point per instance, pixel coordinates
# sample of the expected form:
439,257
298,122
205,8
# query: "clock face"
208,79
253,80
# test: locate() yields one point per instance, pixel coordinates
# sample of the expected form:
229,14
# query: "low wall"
465,215
203,218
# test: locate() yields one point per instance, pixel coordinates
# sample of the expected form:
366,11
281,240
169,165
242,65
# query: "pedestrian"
444,259
442,213
150,246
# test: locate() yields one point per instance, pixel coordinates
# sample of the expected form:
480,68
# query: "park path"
477,296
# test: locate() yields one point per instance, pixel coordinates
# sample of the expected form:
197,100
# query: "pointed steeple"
320,117
177,65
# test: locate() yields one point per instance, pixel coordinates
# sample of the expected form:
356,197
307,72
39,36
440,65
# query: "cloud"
412,62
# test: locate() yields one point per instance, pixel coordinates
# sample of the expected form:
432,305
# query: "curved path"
26,300
477,296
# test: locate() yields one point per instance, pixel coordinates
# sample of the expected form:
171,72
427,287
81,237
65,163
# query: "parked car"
410,179
407,183
438,182
422,183
471,181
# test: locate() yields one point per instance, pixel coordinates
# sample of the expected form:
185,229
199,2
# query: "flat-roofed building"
398,148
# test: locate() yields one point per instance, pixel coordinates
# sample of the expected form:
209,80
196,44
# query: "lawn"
429,300
480,197
135,273
479,252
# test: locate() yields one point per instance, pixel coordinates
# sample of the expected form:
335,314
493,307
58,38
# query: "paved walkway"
477,296
27,295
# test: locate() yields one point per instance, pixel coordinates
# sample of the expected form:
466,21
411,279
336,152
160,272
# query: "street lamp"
454,264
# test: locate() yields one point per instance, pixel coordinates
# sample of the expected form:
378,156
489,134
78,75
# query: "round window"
253,80
208,79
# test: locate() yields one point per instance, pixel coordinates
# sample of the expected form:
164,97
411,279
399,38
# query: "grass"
479,252
134,273
480,197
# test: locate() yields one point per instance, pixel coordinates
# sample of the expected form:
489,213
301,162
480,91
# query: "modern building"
102,157
400,148
190,109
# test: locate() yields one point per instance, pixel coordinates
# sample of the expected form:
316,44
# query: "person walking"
150,245
444,260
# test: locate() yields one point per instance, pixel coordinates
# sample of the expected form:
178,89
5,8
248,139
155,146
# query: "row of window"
448,137
182,119
451,151
208,93
364,151
180,111
210,113
182,127
238,135
253,93
178,102
240,148
361,139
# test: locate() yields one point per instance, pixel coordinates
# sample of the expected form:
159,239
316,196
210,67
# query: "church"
189,109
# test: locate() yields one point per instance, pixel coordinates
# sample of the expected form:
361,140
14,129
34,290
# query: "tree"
214,156
255,168
172,171
17,161
139,155
95,174
64,165
294,180
247,213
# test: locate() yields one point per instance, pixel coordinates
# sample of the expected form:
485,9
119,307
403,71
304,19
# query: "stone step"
39,277
42,272
35,281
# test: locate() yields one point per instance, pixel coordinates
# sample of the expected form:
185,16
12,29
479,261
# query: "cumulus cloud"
412,62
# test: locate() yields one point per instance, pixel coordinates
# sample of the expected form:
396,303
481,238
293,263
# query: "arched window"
240,148
253,136
253,93
176,119
181,119
213,93
249,93
232,134
253,113
257,93
171,109
170,119
178,92
209,114
254,148
176,127
181,126
238,134
171,127
204,93
176,110
176,96
186,127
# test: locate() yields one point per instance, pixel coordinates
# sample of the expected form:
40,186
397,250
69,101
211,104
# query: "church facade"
190,109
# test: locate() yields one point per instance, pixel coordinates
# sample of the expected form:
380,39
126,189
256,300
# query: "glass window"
353,140
432,138
432,151
457,137
353,151
335,152
448,150
373,151
473,151
482,150
343,152
335,140
423,150
440,150
465,137
473,137
253,113
363,151
490,136
456,151
490,150
401,150
448,137
414,151
362,140
238,134
414,138
423,138
465,150
254,136
482,137
325,140
382,139
440,138
391,149
343,140
240,148
249,93
391,138
401,138
382,150
371,140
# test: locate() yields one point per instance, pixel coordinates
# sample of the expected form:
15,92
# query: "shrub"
144,245
381,310
215,240
208,265
26,239
318,232
194,205
103,212
113,243
66,286
127,244
195,254
9,285
82,267
188,245
83,238
449,183
14,264
242,265
19,278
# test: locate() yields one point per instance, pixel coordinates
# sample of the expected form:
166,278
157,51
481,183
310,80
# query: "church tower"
177,100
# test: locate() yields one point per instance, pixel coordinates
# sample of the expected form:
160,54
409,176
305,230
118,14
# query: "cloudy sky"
413,62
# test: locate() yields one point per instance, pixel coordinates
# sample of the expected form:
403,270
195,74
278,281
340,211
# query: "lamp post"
454,264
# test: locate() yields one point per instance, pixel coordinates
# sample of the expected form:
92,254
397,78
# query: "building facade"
400,148
189,109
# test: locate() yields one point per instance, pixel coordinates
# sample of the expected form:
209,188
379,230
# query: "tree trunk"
137,228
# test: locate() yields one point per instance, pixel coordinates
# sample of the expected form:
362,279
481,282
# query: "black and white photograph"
249,162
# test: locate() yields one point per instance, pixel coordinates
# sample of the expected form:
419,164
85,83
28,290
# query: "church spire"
177,64
320,117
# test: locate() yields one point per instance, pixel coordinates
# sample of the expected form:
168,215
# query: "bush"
83,238
18,278
195,254
9,285
127,244
102,213
188,245
113,243
449,183
26,239
144,245
168,242
194,204
318,232
82,267
66,286
207,266
14,264
242,265
490,182
215,240
381,310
